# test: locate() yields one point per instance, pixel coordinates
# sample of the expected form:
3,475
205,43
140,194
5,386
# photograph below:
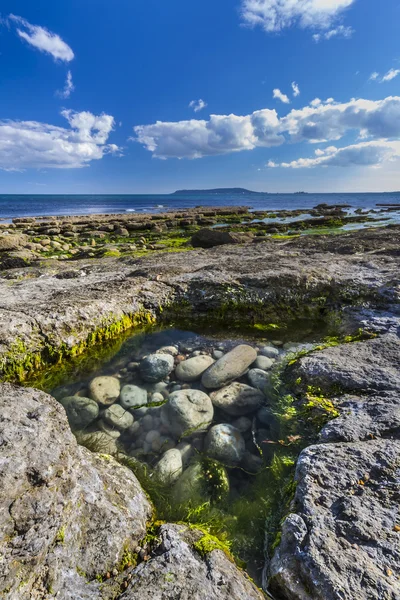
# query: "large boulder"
231,366
207,238
66,515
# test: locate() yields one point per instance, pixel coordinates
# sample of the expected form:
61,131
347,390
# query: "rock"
258,379
172,350
263,362
156,367
360,366
207,238
118,417
12,241
217,354
190,486
109,429
269,352
178,570
252,463
189,411
65,515
225,444
133,396
169,467
105,390
157,397
192,369
238,399
99,441
242,424
187,453
341,542
80,411
231,366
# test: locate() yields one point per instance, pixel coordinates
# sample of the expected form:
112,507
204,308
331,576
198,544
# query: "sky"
151,96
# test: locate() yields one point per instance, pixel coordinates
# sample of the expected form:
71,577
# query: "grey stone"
192,369
109,429
169,467
258,378
269,351
207,238
133,396
187,453
263,362
231,366
156,367
104,389
68,514
80,411
252,463
238,399
226,444
189,411
217,354
118,417
172,350
242,424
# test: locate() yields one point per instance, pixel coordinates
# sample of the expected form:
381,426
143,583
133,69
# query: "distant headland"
237,191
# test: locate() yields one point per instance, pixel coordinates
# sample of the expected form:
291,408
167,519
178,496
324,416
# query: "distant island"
217,191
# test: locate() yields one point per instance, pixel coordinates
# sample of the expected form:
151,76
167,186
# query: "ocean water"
12,206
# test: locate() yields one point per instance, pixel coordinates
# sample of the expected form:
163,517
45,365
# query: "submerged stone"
133,396
269,352
156,367
118,417
225,444
192,369
169,467
105,390
188,411
258,378
80,411
231,366
263,362
238,399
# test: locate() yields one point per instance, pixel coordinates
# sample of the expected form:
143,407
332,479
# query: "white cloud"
365,154
280,96
43,39
275,15
68,87
321,121
339,31
197,105
390,75
30,144
374,76
296,89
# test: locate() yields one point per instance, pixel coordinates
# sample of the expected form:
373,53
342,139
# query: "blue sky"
123,122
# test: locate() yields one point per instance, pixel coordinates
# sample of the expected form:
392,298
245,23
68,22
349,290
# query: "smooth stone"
133,396
169,467
156,367
189,411
80,411
105,390
258,378
225,444
157,397
269,352
117,416
238,399
242,424
172,350
251,462
147,422
190,486
264,415
97,441
134,428
217,354
263,362
187,452
152,435
156,388
192,369
231,366
108,429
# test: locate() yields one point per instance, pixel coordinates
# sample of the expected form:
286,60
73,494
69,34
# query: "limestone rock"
207,238
231,366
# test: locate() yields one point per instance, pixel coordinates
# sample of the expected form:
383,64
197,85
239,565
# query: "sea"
29,205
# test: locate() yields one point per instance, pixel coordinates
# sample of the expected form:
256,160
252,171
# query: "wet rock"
252,463
242,424
207,238
80,411
172,350
65,512
187,452
269,352
238,399
192,369
231,366
118,417
99,441
189,411
190,486
263,362
109,429
225,444
217,354
133,396
169,467
105,390
177,570
156,367
258,379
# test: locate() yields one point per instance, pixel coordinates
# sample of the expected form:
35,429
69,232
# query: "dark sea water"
12,206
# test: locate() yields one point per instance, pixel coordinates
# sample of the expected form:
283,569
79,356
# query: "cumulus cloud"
339,31
374,76
280,96
68,87
296,89
390,75
275,15
320,121
42,39
365,154
197,105
31,144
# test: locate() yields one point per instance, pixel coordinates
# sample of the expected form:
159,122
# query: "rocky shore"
68,525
